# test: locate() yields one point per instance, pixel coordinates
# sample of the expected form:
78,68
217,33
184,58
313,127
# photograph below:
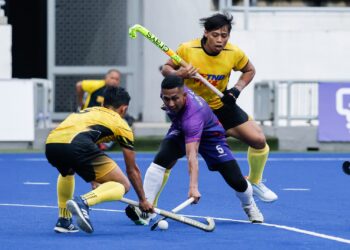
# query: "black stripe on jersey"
125,142
97,132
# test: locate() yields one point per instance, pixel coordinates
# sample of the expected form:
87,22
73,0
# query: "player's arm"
170,68
248,73
134,175
192,158
231,95
80,93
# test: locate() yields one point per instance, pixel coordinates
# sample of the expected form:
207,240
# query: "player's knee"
127,186
164,162
240,184
259,142
233,176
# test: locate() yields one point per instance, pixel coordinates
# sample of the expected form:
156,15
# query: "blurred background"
300,94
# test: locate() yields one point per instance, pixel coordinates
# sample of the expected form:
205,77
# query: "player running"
214,58
72,148
194,129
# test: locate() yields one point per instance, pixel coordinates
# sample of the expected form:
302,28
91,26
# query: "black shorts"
172,149
81,157
231,116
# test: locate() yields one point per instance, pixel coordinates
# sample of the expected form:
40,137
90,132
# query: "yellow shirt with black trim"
98,123
94,90
216,69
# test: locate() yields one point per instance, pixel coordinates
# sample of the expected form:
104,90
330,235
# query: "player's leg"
156,177
219,158
231,173
113,182
238,124
113,185
65,191
250,133
158,172
56,155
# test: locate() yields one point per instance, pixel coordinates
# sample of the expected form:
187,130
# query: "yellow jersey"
98,124
216,69
94,90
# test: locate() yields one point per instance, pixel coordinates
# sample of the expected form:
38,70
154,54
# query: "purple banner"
334,112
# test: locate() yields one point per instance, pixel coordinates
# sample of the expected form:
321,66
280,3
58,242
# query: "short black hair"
172,81
115,97
217,21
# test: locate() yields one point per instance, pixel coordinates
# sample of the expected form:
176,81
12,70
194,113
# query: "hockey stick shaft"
155,40
194,223
174,210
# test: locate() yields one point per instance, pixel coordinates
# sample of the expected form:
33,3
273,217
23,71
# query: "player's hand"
230,96
187,72
193,192
145,206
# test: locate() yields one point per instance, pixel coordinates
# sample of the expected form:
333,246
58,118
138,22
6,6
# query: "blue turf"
323,209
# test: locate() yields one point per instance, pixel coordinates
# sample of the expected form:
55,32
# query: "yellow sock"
165,180
65,191
257,159
108,191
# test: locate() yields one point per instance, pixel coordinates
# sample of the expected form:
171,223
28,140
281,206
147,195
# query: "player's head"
217,30
116,98
172,93
112,78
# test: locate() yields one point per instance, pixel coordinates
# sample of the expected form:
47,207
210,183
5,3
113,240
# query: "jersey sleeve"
193,127
241,59
124,135
125,142
91,85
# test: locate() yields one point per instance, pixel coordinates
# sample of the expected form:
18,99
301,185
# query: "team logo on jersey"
212,79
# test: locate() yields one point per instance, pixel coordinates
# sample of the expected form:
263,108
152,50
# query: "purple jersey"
196,121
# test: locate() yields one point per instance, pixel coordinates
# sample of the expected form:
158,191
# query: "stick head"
211,225
134,29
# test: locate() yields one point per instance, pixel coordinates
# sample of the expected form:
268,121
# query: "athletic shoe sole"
64,230
81,221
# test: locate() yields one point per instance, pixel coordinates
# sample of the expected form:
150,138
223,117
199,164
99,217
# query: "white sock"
246,197
153,181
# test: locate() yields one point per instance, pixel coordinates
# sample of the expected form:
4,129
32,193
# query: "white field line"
36,183
292,229
296,189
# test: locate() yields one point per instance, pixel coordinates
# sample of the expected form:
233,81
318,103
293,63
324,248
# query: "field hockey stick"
151,37
174,210
194,223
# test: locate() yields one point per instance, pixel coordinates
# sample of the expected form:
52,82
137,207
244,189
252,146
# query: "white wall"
287,55
172,21
307,46
280,45
17,102
5,51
